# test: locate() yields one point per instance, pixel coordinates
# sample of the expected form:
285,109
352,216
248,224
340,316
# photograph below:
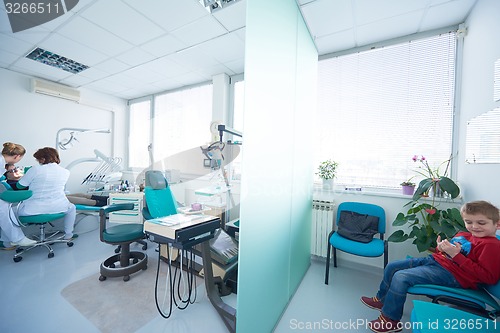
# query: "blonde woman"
12,235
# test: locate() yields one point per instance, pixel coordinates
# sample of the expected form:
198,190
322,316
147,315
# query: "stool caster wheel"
145,247
19,250
102,278
126,278
51,255
18,259
70,244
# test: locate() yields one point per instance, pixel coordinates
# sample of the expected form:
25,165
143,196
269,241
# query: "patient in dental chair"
12,175
88,199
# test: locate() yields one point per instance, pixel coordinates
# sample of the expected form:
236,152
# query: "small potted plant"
408,187
327,171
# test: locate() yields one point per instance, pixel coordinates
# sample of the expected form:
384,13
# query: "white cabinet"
127,216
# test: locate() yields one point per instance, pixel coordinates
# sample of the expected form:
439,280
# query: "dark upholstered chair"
126,262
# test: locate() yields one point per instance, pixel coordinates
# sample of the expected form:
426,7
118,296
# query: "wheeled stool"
42,238
126,262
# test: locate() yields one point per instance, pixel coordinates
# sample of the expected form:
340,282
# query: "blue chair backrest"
159,198
495,288
364,208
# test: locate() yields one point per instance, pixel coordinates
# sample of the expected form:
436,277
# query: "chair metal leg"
327,272
386,253
334,257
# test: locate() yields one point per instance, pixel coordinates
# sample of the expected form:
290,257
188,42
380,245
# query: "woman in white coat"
11,233
47,181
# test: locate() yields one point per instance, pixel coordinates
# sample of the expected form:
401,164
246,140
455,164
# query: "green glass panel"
280,79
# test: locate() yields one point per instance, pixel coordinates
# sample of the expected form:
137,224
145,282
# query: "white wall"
33,120
481,49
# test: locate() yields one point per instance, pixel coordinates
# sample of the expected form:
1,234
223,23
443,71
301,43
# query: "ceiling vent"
55,89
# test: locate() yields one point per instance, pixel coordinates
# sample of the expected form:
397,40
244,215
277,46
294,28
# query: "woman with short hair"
47,182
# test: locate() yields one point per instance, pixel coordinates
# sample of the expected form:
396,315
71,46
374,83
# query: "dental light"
68,143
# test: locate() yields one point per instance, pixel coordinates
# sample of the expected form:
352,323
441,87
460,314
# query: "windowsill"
395,193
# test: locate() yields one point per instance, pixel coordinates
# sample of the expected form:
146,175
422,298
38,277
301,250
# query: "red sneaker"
372,302
384,324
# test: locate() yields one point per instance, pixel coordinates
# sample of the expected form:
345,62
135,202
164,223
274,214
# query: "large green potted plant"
424,220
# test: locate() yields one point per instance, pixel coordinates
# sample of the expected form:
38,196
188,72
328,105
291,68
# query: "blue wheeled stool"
42,239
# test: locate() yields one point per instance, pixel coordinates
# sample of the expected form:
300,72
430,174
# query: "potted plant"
408,187
426,220
327,171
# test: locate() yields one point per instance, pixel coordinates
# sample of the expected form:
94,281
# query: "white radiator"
322,225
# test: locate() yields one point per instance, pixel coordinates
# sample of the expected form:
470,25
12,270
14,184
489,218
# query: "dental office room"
243,165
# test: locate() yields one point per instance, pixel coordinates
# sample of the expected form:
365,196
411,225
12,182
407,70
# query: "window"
140,137
238,110
181,120
378,108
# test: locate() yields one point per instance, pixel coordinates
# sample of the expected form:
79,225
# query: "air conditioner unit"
55,89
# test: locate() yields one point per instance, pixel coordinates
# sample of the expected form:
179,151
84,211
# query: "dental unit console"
181,230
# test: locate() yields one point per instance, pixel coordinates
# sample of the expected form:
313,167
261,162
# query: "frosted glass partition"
276,198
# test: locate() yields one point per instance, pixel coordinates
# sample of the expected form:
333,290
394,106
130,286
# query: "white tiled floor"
31,298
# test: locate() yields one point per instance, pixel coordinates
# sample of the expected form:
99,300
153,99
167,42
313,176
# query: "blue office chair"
430,317
374,248
159,198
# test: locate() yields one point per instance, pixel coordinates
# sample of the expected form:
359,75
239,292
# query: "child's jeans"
400,275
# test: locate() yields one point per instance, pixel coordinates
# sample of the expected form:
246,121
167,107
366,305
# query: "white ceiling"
135,48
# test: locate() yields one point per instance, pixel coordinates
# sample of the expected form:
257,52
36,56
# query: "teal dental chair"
483,301
375,248
431,317
478,301
125,262
159,198
16,197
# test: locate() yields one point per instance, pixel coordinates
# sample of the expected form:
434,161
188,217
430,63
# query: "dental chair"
125,262
159,198
431,317
484,301
14,198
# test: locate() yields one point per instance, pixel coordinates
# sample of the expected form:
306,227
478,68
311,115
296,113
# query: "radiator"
322,225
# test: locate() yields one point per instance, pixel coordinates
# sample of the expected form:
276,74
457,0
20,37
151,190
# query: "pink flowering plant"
425,220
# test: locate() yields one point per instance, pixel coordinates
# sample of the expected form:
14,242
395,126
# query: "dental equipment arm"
224,128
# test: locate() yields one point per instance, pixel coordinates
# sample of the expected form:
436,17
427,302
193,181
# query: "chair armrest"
104,212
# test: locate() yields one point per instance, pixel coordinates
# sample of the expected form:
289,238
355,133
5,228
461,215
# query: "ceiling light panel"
55,60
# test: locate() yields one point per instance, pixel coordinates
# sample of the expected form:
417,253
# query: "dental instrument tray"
182,230
191,211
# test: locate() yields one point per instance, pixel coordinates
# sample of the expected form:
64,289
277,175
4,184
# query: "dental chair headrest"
156,180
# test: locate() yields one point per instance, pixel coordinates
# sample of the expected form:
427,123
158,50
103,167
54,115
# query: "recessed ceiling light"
55,60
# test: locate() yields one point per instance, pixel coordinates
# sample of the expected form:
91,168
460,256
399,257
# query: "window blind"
379,108
181,120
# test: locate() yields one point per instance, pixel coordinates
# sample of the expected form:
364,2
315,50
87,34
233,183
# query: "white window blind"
139,137
378,108
181,120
